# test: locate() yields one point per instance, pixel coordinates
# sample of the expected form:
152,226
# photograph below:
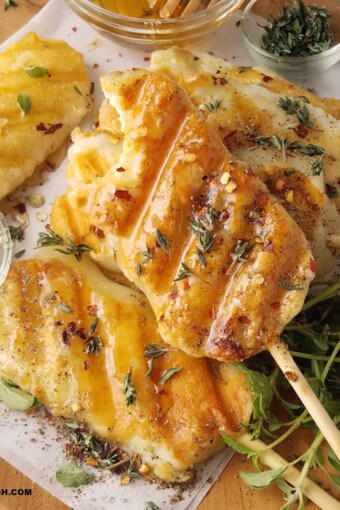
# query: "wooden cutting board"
229,493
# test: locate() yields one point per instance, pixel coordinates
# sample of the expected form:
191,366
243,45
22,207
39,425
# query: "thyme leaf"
162,240
10,3
36,71
201,257
317,167
213,107
50,238
129,389
242,248
24,103
70,475
168,374
149,505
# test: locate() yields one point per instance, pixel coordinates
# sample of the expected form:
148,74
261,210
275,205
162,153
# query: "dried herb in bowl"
299,30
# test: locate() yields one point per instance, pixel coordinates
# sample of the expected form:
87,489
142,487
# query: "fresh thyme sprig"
94,342
299,30
153,351
286,145
242,248
313,337
185,272
129,389
51,238
294,107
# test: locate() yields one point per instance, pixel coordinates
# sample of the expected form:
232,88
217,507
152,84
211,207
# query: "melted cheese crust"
172,426
168,173
249,108
61,98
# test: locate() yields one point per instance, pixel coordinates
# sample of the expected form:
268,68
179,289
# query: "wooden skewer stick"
273,460
191,7
169,8
307,396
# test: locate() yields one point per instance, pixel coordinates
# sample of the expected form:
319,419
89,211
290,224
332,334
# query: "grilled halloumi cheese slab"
247,101
57,101
221,262
47,307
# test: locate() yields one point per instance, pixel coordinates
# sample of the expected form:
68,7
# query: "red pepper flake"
92,308
50,167
266,78
123,194
173,294
120,169
58,323
276,305
244,319
331,191
41,127
224,215
223,81
66,338
147,59
268,245
162,392
196,58
186,285
313,266
86,365
20,207
99,232
81,333
74,29
229,135
301,131
48,415
95,66
53,128
72,326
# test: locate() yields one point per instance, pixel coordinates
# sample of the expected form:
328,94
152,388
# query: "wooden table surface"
229,493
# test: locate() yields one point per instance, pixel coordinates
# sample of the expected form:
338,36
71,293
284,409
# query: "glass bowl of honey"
144,23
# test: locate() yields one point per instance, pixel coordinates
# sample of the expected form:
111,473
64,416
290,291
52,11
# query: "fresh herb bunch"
313,338
299,30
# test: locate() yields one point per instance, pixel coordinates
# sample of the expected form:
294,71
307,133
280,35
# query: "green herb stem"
313,356
330,361
296,423
328,293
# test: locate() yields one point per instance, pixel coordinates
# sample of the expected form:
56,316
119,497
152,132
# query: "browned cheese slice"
53,104
221,262
47,307
242,103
